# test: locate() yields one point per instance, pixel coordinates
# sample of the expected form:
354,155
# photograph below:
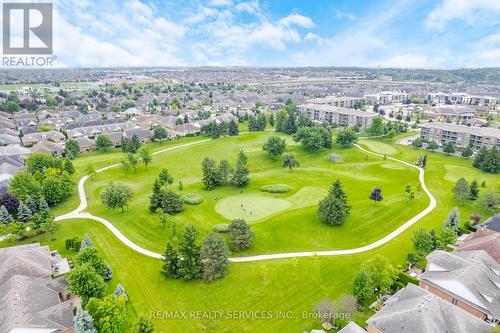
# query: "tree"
271,119
89,255
417,143
337,191
489,201
84,323
423,242
453,221
71,148
275,146
68,166
102,142
449,147
90,171
214,256
116,195
461,190
233,128
11,107
376,194
474,190
377,127
145,156
159,133
171,262
362,286
447,237
290,161
382,272
432,145
133,144
5,217
144,325
86,282
165,178
23,185
223,172
240,176
240,235
132,162
156,197
467,151
10,202
310,138
346,138
24,214
190,264
30,202
332,210
491,162
86,242
171,202
210,177
109,314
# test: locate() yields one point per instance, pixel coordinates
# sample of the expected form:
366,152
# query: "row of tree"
462,191
220,174
215,130
487,160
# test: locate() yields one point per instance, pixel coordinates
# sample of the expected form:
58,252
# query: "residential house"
143,134
352,327
187,129
414,310
30,300
8,139
9,167
48,147
483,239
85,144
469,280
461,136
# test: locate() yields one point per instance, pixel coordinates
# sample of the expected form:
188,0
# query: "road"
79,213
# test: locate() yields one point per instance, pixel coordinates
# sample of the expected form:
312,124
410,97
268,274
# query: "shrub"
221,227
276,188
192,198
405,279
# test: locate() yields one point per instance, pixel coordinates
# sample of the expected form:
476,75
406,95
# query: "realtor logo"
27,28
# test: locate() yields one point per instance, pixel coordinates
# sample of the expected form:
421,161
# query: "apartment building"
461,98
461,136
387,97
339,101
337,115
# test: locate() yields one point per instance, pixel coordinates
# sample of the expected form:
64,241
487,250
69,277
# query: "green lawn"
294,285
278,218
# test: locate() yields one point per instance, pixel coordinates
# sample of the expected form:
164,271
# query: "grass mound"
275,188
192,198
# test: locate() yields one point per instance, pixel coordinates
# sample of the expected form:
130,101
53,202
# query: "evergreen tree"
214,256
449,148
156,197
68,166
332,210
491,162
461,190
171,262
171,202
86,242
467,151
224,172
134,144
43,207
24,214
241,235
233,128
165,178
474,190
31,204
480,156
84,323
271,119
5,217
453,221
337,191
240,176
189,251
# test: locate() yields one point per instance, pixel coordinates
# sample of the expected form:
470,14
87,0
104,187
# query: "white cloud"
467,10
251,7
342,15
297,19
311,37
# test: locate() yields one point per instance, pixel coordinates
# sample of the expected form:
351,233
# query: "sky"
403,33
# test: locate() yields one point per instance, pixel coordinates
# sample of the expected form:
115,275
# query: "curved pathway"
79,213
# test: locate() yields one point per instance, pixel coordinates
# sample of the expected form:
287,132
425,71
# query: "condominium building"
461,136
461,98
387,97
336,115
339,101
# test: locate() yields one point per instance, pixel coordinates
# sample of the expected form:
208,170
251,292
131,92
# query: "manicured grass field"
278,218
297,284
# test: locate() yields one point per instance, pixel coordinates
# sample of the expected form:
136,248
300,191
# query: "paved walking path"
79,213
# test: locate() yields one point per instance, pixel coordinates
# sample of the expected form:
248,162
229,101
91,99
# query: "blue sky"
407,33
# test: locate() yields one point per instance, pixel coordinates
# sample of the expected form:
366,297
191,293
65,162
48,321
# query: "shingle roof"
483,239
493,223
31,260
471,276
415,310
352,327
